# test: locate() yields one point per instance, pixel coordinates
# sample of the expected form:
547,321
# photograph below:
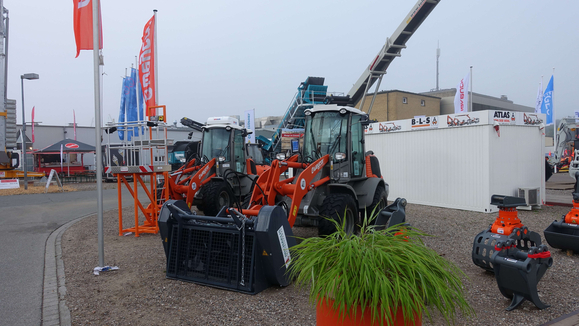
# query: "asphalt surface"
26,222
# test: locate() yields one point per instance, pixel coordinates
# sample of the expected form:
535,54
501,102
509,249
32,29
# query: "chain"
242,282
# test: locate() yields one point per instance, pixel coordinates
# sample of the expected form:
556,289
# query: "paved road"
26,221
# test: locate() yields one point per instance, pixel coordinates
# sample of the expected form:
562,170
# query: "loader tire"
336,207
216,194
378,203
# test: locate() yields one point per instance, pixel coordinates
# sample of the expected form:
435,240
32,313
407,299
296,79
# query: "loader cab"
339,132
223,139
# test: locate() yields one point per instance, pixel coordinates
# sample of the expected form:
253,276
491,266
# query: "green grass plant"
381,270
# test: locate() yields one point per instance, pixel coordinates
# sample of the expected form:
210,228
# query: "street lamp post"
29,77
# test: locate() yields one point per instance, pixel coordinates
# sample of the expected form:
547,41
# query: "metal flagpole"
97,115
555,127
471,108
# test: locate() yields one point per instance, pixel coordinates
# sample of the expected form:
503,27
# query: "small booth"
65,157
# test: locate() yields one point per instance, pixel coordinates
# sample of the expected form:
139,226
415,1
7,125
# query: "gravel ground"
138,293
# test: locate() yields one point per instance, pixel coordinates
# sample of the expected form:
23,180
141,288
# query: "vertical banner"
539,98
33,123
124,91
74,123
461,97
131,107
147,65
82,25
249,116
547,105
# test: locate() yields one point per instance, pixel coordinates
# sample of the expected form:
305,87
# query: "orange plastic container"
327,316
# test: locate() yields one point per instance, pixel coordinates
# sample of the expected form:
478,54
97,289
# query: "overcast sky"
223,57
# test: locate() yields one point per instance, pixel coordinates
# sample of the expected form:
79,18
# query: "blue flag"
123,106
132,114
547,105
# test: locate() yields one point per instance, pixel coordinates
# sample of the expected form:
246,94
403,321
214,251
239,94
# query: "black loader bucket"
227,251
392,214
507,226
564,234
518,273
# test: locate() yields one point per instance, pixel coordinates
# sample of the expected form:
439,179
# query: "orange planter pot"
327,316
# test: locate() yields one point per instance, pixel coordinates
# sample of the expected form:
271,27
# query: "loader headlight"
221,158
340,156
280,156
343,111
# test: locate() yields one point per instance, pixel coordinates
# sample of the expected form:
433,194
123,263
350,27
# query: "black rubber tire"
333,208
380,199
216,194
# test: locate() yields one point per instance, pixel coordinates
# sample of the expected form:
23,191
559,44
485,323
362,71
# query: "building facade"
399,105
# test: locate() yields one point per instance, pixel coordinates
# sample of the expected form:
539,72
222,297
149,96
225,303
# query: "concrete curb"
54,309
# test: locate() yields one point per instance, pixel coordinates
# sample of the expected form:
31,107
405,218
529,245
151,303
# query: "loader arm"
304,185
198,180
269,185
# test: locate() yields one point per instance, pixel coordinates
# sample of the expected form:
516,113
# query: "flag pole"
97,114
555,126
471,108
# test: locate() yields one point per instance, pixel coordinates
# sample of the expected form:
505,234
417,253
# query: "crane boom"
392,48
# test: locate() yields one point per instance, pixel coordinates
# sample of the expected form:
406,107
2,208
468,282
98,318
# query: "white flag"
249,125
461,97
539,98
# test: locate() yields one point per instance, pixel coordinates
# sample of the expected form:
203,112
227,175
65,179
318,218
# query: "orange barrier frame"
152,210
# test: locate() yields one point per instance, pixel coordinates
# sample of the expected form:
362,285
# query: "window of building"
422,102
405,100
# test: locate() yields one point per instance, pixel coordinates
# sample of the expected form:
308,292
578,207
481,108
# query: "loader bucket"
392,214
227,251
517,273
563,235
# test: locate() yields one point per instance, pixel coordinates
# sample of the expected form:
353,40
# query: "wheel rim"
223,199
350,221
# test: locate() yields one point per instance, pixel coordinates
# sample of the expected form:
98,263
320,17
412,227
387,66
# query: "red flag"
83,25
74,123
33,124
147,65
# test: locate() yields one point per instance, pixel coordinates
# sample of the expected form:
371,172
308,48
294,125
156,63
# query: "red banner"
82,21
33,123
147,65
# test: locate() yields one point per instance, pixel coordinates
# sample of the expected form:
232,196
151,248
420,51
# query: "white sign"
284,247
421,122
53,173
9,184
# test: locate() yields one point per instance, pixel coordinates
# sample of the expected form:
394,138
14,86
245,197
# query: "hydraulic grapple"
507,226
229,250
513,253
518,273
564,234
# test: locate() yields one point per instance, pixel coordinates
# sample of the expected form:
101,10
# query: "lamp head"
30,76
